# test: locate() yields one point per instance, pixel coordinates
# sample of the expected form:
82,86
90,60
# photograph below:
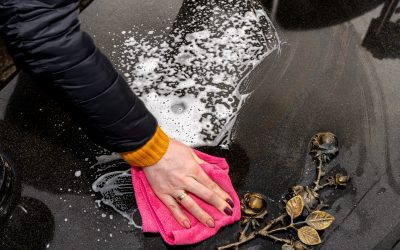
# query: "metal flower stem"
262,231
319,175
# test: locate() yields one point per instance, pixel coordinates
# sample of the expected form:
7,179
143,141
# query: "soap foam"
115,188
192,79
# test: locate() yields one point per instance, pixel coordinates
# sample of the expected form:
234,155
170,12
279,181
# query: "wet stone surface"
320,79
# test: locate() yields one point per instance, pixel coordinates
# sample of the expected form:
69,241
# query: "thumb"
196,158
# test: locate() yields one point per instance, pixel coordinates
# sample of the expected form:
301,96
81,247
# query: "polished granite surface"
322,79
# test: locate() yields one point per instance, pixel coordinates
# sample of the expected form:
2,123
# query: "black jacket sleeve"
45,40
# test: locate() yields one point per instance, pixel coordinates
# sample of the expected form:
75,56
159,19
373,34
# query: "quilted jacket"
45,40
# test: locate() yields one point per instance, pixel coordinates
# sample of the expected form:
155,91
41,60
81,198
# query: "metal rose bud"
309,196
296,189
253,205
324,146
341,179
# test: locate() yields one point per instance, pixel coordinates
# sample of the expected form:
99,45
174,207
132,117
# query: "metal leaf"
294,207
319,220
308,235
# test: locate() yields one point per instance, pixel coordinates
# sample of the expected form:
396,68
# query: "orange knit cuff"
150,153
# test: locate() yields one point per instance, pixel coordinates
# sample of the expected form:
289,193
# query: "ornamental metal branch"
297,226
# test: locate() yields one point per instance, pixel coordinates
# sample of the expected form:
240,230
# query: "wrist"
150,153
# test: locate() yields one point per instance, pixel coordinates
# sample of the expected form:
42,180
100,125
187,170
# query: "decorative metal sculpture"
298,224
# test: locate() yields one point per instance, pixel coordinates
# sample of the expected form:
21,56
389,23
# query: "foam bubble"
78,173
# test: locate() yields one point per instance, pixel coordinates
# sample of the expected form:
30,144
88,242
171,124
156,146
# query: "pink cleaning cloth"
156,217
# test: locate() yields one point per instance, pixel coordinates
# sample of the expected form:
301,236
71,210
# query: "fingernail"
186,223
210,223
228,211
230,202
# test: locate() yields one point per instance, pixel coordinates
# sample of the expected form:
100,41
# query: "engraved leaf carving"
287,247
294,207
319,220
308,235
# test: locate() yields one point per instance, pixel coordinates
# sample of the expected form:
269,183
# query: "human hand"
179,171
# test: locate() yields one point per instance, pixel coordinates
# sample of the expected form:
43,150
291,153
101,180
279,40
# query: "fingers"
209,196
196,211
176,211
206,181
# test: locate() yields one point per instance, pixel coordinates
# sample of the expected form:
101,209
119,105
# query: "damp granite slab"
322,79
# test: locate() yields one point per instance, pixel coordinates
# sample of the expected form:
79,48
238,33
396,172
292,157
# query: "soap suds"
194,82
193,77
114,185
78,173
